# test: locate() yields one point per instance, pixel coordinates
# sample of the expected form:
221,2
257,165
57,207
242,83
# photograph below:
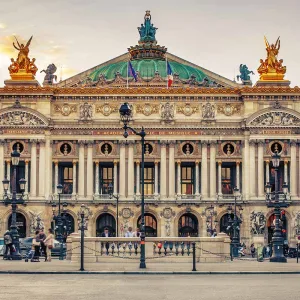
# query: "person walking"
42,237
252,250
8,245
36,244
49,243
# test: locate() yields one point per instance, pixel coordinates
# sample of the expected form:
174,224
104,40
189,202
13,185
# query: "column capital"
267,161
171,143
156,162
219,162
90,144
55,162
197,161
252,142
33,141
8,161
26,161
293,143
75,162
130,143
2,142
204,143
81,143
286,161
137,162
123,143
96,162
42,142
163,144
238,163
213,142
178,162
115,162
261,143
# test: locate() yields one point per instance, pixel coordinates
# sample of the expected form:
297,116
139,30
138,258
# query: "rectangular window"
148,180
106,178
227,185
66,178
187,180
20,174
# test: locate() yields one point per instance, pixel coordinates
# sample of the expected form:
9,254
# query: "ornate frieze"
65,109
229,109
20,118
167,213
85,111
187,109
167,112
147,109
276,119
208,111
107,109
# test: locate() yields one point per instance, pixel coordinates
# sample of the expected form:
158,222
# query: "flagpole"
127,71
167,70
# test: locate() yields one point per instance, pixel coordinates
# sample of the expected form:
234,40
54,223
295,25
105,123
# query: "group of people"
129,233
42,244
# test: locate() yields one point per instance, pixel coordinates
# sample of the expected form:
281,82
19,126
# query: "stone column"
267,171
96,177
204,170
130,170
293,171
172,169
213,177
90,171
122,170
8,174
219,178
260,165
285,173
81,173
42,169
48,168
55,176
74,177
163,170
197,177
26,175
138,179
237,175
115,177
245,167
33,174
252,169
178,178
156,178
2,142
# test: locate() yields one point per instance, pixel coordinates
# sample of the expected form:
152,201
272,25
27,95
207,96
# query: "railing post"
297,252
231,254
194,256
82,244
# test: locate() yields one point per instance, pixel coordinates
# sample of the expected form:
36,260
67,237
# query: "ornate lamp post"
273,201
111,195
125,114
235,242
83,226
59,221
15,158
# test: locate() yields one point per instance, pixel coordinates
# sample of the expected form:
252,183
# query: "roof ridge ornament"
147,31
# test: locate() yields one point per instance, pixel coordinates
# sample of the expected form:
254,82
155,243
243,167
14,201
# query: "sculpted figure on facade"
36,221
244,73
208,111
50,77
276,119
258,222
19,118
167,112
85,112
297,223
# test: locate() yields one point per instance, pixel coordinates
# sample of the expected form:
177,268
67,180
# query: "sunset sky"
218,35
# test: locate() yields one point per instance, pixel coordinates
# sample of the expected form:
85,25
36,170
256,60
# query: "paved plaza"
132,287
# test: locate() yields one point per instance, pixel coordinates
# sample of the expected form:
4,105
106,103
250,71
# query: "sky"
218,35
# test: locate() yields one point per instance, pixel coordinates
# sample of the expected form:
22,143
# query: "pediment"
20,116
274,117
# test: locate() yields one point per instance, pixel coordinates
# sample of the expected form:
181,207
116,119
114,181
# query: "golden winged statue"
22,68
271,68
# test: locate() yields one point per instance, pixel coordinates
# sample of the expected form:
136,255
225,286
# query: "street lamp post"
59,221
15,158
273,201
83,226
111,195
125,114
235,242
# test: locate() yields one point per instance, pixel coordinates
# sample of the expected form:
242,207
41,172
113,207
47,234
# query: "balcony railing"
103,197
188,197
65,197
147,197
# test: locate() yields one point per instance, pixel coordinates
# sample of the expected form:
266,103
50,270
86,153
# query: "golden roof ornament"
22,68
271,69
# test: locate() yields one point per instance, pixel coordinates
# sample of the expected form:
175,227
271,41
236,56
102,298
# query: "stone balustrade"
166,249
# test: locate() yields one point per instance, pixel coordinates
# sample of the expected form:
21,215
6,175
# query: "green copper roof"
147,69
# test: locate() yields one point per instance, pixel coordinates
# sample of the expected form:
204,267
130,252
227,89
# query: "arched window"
150,225
188,225
106,220
21,224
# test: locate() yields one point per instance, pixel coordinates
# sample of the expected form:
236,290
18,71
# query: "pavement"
123,266
148,287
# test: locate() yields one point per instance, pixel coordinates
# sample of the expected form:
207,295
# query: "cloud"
2,26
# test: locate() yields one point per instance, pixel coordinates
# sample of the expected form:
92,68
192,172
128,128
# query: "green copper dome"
147,69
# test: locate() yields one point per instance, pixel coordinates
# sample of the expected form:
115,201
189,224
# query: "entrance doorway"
188,225
106,220
21,224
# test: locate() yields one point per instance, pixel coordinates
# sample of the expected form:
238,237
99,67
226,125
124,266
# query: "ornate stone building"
205,135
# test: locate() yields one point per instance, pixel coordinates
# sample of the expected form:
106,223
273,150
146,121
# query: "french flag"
170,74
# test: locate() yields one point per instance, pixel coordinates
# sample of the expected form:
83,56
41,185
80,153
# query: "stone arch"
97,215
148,211
201,227
250,121
224,212
7,214
21,116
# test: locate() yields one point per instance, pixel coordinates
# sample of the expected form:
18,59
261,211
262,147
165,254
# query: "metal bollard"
297,252
194,256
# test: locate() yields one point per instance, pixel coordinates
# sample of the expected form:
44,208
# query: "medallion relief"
147,109
107,109
187,109
65,109
229,109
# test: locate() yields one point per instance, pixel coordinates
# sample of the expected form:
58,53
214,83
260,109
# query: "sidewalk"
67,267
